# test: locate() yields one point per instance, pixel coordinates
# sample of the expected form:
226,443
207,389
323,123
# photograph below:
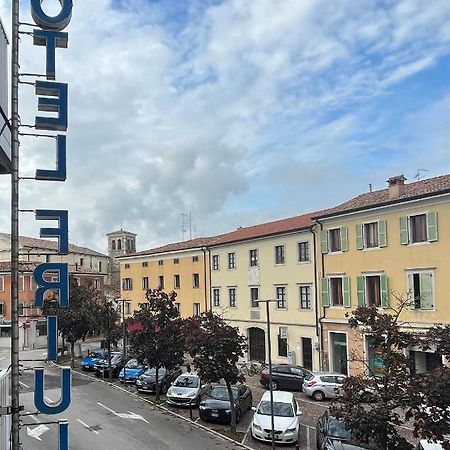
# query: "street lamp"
124,347
269,344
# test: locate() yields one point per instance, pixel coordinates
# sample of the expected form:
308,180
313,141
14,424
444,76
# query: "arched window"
113,245
128,244
119,244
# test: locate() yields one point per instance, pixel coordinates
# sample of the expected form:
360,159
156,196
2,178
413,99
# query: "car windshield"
336,428
279,409
115,359
133,364
221,392
151,372
187,382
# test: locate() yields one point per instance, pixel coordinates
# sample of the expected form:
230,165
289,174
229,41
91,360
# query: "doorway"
257,344
307,352
338,348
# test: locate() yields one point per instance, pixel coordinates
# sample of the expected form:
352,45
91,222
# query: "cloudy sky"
237,111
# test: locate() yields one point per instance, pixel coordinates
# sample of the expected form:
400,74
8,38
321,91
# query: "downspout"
319,321
204,249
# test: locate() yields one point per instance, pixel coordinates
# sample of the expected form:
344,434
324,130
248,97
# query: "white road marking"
130,415
2,358
24,385
87,426
42,354
37,432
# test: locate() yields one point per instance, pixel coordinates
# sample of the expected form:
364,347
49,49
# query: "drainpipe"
204,250
319,321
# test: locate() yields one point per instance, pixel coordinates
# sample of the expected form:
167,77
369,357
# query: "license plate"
213,414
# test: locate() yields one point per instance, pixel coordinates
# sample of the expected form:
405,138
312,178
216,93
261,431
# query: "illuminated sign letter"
61,172
62,284
52,338
64,400
58,22
59,105
50,40
62,232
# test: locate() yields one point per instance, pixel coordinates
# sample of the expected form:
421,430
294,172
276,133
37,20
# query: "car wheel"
318,396
274,385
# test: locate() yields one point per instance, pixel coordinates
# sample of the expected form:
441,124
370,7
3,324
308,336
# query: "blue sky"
238,111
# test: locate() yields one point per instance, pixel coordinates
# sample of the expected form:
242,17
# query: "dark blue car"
132,370
88,362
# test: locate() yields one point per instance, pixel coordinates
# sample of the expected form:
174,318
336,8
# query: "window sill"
303,262
279,264
337,252
304,309
371,249
418,244
281,309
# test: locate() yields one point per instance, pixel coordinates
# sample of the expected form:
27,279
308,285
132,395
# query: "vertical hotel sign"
52,97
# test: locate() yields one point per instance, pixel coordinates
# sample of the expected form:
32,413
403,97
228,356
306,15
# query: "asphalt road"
102,417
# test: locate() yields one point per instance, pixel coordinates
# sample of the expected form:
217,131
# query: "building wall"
395,261
154,266
267,276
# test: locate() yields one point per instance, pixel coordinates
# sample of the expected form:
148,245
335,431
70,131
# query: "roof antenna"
419,175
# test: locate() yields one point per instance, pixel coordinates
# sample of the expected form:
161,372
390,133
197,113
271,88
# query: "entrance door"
338,346
257,344
307,353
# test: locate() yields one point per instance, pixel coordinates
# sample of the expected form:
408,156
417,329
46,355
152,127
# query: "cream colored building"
269,261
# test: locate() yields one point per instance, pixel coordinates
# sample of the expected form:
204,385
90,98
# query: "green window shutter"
426,291
346,289
411,290
344,239
432,226
325,293
360,289
324,241
382,233
384,291
359,236
404,237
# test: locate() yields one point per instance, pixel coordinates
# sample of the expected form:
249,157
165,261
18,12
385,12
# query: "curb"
162,408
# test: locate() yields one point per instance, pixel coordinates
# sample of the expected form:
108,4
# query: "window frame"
281,288
232,298
253,257
2,283
176,260
196,309
215,262
145,283
127,284
300,300
161,281
280,255
431,272
336,277
160,262
411,232
253,301
299,253
231,260
145,264
215,297
366,225
195,281
176,281
331,240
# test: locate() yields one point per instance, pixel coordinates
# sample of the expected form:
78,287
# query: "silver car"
322,385
186,389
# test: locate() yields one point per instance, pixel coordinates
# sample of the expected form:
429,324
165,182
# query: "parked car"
425,445
101,367
88,362
187,388
147,381
332,434
215,405
285,376
131,371
322,385
286,418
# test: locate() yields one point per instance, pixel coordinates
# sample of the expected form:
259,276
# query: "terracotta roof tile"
417,189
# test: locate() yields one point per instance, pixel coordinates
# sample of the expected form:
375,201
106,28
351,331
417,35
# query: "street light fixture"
269,345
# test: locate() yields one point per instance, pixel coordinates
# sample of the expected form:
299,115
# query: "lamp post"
269,352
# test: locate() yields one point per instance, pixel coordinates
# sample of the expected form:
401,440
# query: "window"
196,309
371,235
127,308
421,289
334,237
303,251
254,297
281,296
127,284
305,296
253,258
160,262
232,260
195,281
81,262
145,264
279,254
195,259
216,297
161,281
113,245
176,261
22,283
127,266
215,262
178,306
372,291
337,298
145,284
2,309
232,297
176,281
99,266
2,283
418,228
119,244
96,283
282,342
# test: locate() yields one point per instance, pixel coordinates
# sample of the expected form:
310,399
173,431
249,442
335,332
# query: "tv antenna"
419,174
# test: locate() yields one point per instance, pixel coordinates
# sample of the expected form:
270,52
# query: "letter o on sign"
58,22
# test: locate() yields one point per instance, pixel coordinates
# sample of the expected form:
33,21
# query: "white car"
186,389
286,418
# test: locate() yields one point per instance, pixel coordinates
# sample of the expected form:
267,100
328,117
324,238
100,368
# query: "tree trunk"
63,345
232,407
109,360
72,354
157,383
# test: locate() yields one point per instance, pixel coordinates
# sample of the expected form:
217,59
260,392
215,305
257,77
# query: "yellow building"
374,249
269,261
182,267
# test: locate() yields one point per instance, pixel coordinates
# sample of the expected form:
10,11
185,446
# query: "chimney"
396,186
